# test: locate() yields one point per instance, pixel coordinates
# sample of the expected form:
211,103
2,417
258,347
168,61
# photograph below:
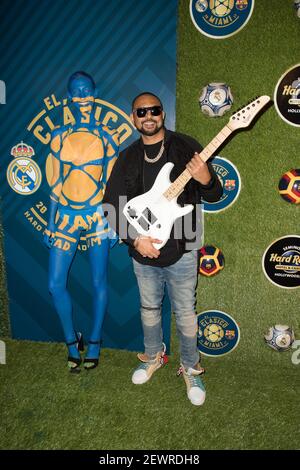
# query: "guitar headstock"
244,116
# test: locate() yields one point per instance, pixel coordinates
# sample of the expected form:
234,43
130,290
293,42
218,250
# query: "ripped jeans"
181,280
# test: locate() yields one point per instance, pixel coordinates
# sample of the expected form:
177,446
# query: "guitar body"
152,214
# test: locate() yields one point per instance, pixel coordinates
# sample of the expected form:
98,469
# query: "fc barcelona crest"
229,185
241,4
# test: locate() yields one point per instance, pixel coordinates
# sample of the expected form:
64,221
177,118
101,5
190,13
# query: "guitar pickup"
149,216
144,223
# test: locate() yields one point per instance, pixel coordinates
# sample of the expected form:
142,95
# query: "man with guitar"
172,265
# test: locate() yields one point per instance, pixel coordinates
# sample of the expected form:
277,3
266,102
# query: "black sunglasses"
141,112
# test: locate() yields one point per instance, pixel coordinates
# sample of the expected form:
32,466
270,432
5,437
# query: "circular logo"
297,7
281,262
289,186
24,175
220,19
218,333
287,96
231,182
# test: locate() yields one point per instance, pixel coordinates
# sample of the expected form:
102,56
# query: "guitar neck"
178,185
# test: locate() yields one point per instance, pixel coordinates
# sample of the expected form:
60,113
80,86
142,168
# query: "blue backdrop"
128,46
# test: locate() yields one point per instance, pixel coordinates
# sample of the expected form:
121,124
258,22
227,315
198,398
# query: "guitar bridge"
145,219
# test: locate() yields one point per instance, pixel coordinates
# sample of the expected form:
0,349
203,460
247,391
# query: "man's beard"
153,132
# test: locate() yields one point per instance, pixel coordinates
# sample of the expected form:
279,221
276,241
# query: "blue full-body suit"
83,154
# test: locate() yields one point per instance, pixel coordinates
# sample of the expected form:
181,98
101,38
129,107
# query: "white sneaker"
145,370
194,385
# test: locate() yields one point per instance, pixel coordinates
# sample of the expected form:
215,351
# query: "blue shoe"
144,371
194,385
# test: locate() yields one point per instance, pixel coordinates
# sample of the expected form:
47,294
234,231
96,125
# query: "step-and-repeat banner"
127,47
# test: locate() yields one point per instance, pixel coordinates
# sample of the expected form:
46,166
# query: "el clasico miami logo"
220,19
218,333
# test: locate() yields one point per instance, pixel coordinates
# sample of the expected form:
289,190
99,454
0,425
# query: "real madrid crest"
23,174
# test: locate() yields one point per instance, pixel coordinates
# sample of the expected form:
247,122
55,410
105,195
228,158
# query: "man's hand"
199,169
144,245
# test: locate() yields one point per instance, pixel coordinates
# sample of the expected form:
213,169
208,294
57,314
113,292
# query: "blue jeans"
181,280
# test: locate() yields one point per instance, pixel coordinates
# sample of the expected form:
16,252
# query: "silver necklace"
155,159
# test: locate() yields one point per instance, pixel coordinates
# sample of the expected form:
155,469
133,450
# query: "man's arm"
207,183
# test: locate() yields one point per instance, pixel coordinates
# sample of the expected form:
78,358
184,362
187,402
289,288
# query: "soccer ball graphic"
297,7
213,333
221,7
211,260
280,337
215,99
289,186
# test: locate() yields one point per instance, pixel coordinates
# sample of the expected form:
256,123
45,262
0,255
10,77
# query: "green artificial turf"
252,393
251,62
250,405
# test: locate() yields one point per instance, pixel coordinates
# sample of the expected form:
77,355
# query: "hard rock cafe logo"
23,173
281,262
287,96
220,18
231,182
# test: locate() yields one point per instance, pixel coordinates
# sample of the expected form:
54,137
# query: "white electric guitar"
153,213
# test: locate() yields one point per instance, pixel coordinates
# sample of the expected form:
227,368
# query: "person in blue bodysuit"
83,154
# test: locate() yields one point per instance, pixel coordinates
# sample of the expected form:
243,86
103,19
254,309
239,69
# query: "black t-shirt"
170,253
